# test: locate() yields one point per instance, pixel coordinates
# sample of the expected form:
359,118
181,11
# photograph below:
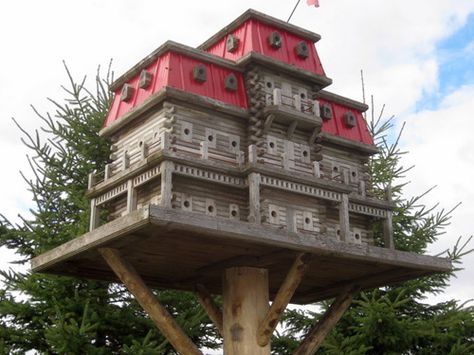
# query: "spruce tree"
396,319
54,314
63,315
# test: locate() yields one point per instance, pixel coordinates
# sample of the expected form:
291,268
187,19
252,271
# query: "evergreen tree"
62,315
54,314
396,319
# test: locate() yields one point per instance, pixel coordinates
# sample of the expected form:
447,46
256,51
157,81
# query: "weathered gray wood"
212,309
175,95
95,215
253,58
349,144
113,231
316,169
388,222
344,218
283,297
204,150
167,168
254,198
388,231
131,197
319,332
245,293
366,282
291,129
160,316
284,114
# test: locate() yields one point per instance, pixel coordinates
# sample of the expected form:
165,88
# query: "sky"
417,58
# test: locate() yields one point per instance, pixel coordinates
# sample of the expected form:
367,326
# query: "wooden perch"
320,331
283,297
160,316
211,308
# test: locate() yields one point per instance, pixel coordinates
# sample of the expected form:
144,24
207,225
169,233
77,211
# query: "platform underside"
176,249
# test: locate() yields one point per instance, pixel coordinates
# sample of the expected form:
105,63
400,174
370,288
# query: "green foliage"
62,315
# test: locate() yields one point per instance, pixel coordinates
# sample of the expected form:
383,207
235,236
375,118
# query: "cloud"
395,42
440,145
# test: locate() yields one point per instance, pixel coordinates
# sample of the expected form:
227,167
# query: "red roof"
338,127
253,37
175,70
173,65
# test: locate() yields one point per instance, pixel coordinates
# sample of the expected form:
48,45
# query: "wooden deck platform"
176,249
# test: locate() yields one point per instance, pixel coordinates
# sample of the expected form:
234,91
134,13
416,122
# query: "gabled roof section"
177,66
253,34
263,18
345,121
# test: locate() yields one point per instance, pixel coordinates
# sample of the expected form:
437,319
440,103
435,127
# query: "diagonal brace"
211,308
319,332
160,316
282,298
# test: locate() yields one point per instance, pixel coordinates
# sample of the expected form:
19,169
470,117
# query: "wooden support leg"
245,305
283,297
163,320
319,332
212,310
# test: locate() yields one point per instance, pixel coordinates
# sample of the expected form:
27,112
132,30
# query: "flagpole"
292,12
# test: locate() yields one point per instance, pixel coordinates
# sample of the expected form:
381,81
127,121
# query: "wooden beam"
282,298
166,168
245,294
211,308
254,198
344,218
291,129
319,332
160,316
388,222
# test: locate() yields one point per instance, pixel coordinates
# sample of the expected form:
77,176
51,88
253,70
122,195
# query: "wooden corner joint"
148,301
212,309
282,298
321,329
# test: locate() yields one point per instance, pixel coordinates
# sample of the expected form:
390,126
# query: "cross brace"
160,316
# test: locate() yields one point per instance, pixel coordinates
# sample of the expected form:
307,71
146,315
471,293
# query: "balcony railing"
307,106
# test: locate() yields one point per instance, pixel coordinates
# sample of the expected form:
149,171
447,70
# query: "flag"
313,2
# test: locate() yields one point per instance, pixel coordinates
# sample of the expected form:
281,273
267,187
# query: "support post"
320,331
344,217
283,297
166,168
160,316
95,215
245,305
388,222
211,308
131,196
254,198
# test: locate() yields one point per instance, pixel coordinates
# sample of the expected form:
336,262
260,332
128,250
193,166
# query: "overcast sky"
418,58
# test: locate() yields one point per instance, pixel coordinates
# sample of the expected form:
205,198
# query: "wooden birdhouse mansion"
234,171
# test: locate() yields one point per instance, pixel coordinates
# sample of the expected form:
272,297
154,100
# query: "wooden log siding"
292,211
200,194
148,132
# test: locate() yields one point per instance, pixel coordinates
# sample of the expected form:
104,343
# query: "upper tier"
216,71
